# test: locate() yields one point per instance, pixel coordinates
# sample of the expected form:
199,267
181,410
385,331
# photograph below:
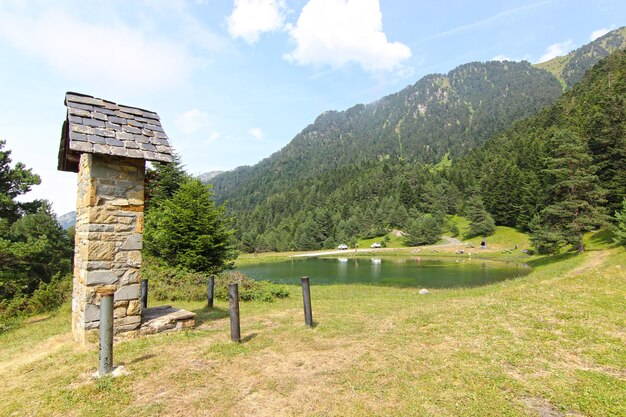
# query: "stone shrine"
107,145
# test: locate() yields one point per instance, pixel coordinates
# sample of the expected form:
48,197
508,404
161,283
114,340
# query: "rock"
423,291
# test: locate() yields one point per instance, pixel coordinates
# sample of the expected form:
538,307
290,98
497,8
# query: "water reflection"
414,271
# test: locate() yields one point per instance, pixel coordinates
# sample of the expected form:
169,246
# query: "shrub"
176,283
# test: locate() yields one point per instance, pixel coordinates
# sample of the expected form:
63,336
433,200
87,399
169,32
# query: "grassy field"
552,343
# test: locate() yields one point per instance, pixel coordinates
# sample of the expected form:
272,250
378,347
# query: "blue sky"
235,81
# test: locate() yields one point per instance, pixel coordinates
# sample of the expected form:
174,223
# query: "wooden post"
306,298
210,290
106,334
233,305
144,293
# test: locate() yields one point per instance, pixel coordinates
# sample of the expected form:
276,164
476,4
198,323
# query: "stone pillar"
109,226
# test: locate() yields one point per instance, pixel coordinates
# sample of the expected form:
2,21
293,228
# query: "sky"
235,81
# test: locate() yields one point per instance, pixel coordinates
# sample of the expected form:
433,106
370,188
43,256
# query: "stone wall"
109,226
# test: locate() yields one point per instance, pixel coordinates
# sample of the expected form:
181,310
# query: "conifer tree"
620,229
190,231
574,197
481,222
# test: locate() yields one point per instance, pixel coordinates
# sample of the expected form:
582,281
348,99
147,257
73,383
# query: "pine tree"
575,196
620,229
190,231
481,222
163,181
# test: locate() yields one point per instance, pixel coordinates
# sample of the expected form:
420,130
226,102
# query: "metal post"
106,334
210,290
233,304
144,293
306,298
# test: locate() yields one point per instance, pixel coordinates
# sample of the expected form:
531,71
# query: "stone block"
102,277
91,266
119,312
124,321
131,276
133,242
128,292
134,308
101,251
92,313
134,258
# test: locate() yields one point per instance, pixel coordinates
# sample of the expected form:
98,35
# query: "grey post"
306,298
210,290
106,334
233,305
144,293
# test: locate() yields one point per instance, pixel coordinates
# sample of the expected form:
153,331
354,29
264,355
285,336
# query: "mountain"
569,69
67,220
440,114
376,166
208,176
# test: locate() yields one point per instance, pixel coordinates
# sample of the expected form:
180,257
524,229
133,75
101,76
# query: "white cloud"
192,121
598,33
256,133
336,32
556,49
502,58
250,18
111,53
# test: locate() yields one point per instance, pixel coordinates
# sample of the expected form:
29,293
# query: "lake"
415,271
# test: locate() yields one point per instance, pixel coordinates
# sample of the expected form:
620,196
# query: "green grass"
549,343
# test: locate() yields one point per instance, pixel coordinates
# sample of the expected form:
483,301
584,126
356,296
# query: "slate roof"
98,126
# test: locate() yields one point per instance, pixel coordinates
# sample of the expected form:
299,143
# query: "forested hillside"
571,156
514,176
569,69
439,114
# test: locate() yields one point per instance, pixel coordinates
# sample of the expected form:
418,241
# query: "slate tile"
130,129
147,147
135,123
159,141
80,137
141,139
134,153
101,149
108,112
112,126
161,135
124,136
93,122
81,146
99,116
163,149
151,156
96,139
78,112
147,132
156,128
104,132
151,115
118,120
84,100
131,110
123,115
118,151
80,106
114,142
75,119
131,144
82,129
